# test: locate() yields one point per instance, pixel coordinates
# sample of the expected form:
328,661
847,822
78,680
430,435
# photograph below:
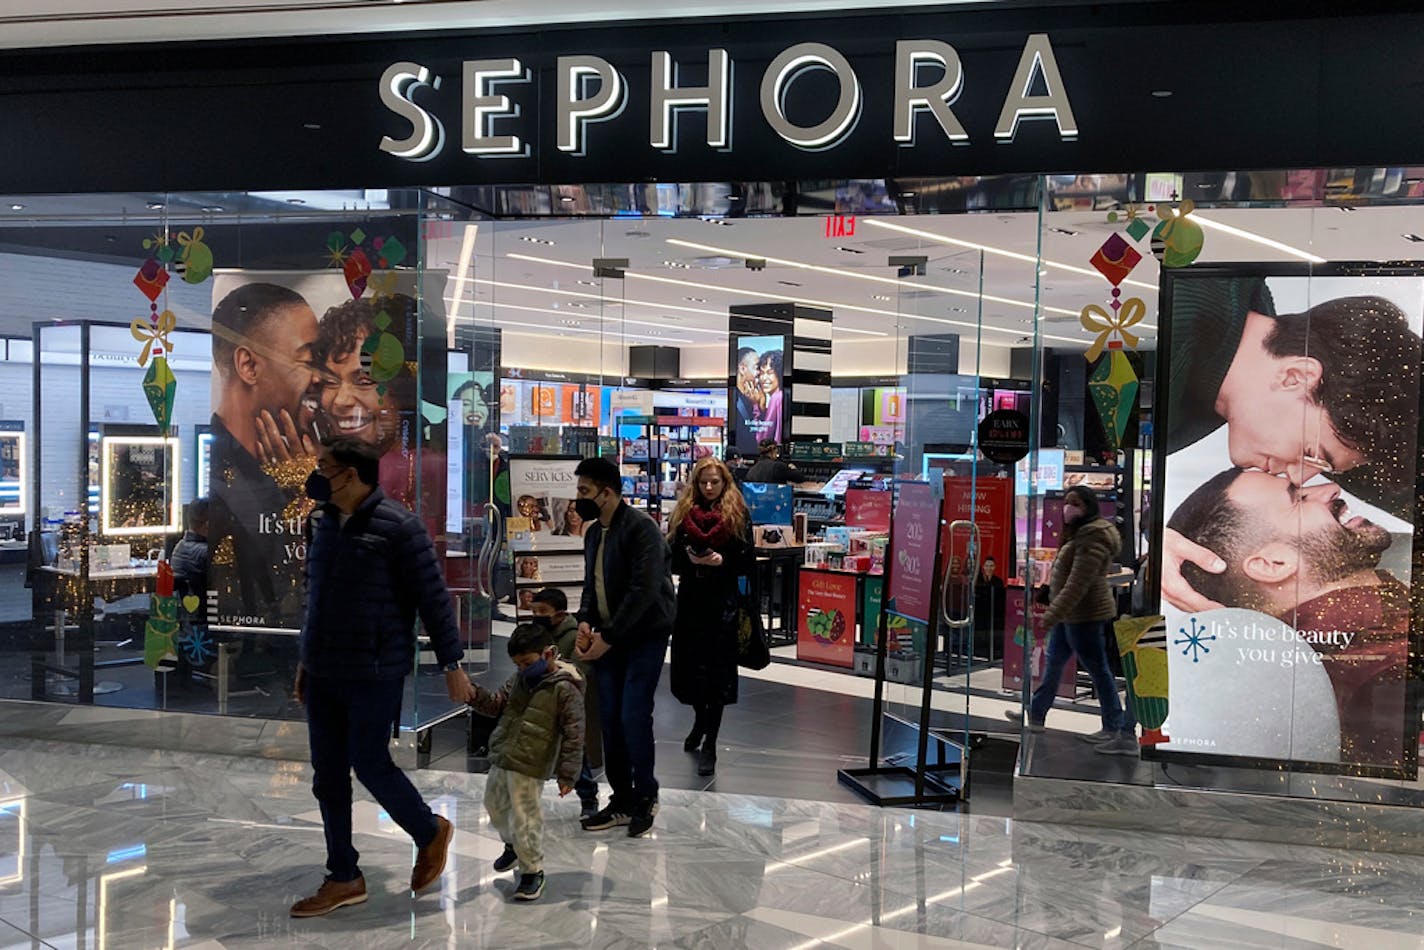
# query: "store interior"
573,320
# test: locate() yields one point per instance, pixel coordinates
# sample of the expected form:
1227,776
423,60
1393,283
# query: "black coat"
704,644
366,581
635,576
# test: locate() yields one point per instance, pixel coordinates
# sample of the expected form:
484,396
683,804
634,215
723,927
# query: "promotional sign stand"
899,771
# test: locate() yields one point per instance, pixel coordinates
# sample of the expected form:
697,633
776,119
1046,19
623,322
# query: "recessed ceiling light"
788,283
1347,207
881,297
734,197
296,201
534,240
571,323
17,207
696,299
1069,232
568,199
589,283
850,250
212,209
1161,93
313,126
1413,238
677,264
155,206
907,194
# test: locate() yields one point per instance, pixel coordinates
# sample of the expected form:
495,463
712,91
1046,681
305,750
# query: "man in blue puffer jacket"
371,567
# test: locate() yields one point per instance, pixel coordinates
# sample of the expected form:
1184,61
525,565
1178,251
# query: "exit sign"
840,226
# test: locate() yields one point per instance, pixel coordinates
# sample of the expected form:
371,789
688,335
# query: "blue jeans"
627,683
350,724
1088,642
587,785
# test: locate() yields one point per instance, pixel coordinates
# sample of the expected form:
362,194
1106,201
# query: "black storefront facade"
947,110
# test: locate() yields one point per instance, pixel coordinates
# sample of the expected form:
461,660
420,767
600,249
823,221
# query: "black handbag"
745,621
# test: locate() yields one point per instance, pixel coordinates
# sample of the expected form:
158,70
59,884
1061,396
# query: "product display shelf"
660,460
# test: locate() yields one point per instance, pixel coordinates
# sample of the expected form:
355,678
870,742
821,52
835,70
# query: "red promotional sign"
1016,634
912,546
867,509
825,618
989,503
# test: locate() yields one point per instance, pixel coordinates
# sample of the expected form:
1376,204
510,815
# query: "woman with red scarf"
710,534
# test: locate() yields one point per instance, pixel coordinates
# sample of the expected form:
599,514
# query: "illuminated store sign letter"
937,98
577,108
668,99
427,135
784,70
1018,104
482,107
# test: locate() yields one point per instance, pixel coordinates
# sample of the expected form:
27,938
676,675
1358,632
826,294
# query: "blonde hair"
731,505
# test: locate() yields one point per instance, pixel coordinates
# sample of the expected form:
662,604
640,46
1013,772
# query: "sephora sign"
492,96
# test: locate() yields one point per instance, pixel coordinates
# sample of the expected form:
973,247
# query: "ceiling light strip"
965,324
872,278
737,290
1257,238
998,251
484,281
559,313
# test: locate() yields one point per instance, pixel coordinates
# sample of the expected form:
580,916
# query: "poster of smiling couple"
297,357
1289,423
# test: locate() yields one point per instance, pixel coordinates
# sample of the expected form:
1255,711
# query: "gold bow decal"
1097,320
184,238
150,335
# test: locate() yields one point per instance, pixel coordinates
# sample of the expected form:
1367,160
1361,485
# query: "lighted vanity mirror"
140,479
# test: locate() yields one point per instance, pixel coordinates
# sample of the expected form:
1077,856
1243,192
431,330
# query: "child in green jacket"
539,734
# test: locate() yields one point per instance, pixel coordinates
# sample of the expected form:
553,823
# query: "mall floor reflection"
108,848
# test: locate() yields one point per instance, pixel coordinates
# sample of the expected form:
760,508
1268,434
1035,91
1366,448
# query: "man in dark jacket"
625,615
370,569
770,469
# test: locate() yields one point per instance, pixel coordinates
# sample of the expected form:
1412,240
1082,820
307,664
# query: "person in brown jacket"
1080,609
540,734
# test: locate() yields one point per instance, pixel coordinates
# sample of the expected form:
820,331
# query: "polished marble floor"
105,847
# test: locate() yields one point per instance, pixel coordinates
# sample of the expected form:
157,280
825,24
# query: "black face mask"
546,622
318,488
587,509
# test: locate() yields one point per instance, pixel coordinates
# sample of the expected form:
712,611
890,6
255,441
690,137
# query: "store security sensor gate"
913,764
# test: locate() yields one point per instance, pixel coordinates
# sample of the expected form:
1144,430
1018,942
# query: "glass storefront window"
1261,406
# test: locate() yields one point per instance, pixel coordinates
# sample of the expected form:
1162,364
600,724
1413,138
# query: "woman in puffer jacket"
1079,617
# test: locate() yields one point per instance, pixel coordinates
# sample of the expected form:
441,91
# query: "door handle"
484,576
494,540
973,565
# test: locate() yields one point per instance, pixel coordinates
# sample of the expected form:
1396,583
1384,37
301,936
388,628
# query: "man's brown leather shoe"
430,860
331,895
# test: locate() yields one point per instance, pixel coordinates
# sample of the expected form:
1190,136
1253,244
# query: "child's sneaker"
507,860
531,887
